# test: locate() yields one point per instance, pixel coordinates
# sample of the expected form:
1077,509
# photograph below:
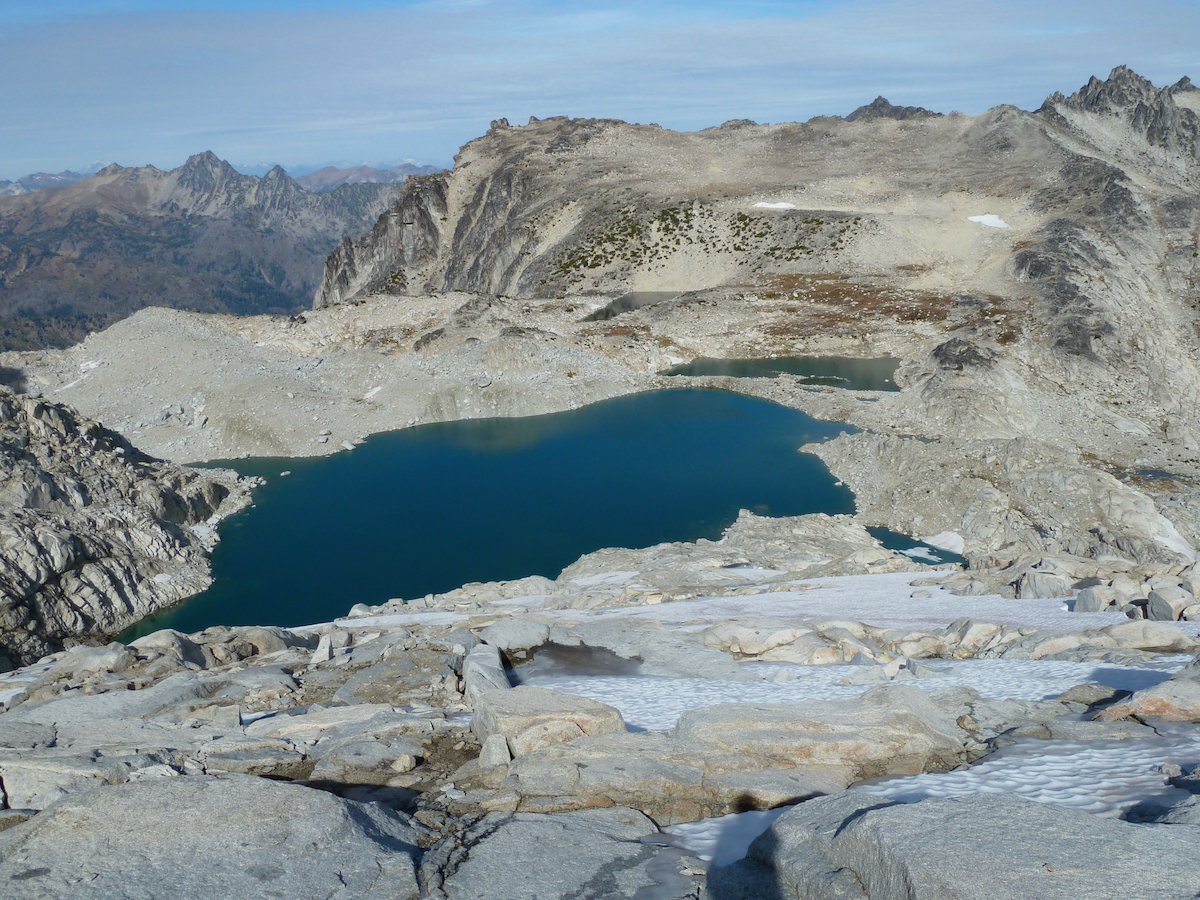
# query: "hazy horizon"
263,81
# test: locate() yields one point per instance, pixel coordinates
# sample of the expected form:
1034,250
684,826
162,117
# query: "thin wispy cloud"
154,81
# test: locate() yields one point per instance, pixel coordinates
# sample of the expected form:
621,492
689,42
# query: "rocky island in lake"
787,710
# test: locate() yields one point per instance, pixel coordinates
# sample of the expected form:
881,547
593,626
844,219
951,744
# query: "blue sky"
153,81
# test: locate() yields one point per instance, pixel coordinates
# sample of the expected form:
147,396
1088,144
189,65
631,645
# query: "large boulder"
530,718
889,730
1167,603
202,837
853,847
1175,700
483,671
516,633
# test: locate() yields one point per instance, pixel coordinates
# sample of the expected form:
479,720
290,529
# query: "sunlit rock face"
96,534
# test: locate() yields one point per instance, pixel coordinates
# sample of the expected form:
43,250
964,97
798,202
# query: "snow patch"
163,578
989,221
1101,777
655,703
531,600
884,601
1173,540
430,618
372,392
922,553
85,369
947,540
724,839
777,206
755,574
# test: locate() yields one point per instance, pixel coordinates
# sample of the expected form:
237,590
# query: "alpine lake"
430,508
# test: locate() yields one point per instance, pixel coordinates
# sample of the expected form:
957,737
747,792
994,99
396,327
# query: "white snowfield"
988,221
775,205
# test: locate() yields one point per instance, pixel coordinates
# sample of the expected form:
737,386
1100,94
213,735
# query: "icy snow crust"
1105,778
651,703
1102,777
885,601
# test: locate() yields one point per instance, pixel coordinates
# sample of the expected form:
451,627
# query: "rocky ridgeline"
96,535
388,754
212,238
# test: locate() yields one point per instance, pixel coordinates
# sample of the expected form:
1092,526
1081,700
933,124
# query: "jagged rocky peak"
1150,111
1123,89
408,234
881,108
1183,86
206,174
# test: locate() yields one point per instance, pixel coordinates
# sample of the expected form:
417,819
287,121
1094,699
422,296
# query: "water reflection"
835,371
629,302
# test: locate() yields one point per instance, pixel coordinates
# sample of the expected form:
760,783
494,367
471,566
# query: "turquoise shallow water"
835,371
427,509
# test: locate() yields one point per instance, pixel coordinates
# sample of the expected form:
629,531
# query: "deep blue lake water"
427,509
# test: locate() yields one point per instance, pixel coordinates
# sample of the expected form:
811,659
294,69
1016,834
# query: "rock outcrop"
881,108
249,837
96,535
728,758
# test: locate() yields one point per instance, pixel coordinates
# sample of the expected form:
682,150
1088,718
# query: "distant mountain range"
80,252
329,177
317,179
41,180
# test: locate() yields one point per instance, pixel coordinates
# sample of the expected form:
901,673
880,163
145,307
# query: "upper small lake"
628,303
835,371
427,509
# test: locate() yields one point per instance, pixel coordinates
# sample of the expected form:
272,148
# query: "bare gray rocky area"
1035,273
96,534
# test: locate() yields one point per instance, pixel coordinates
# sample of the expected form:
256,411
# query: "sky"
300,83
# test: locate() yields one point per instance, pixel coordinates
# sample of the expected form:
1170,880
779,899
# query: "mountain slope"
1093,263
78,257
